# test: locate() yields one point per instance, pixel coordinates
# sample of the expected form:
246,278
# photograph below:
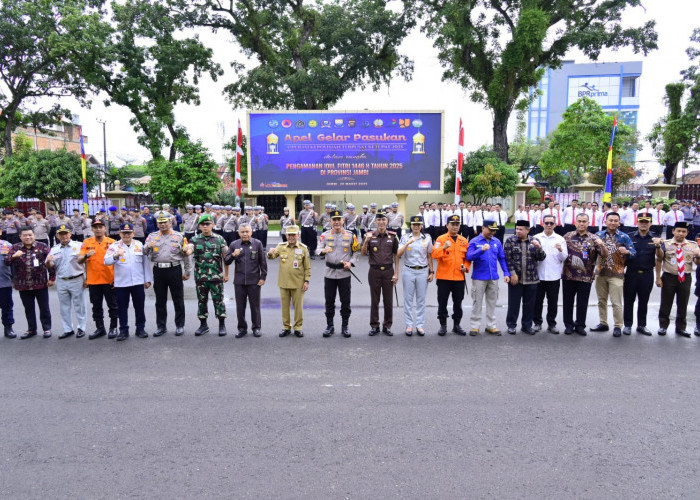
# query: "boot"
330,330
345,330
10,333
458,330
222,327
203,328
443,329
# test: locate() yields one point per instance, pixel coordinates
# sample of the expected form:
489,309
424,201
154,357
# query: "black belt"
640,271
305,226
335,266
416,267
72,277
383,268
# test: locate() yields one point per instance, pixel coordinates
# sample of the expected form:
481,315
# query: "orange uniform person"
450,251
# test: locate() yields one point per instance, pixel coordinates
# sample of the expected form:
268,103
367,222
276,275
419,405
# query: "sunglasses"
549,223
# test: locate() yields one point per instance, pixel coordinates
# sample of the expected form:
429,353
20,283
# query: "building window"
629,86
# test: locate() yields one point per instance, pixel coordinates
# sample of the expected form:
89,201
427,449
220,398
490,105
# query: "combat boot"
203,328
222,327
330,330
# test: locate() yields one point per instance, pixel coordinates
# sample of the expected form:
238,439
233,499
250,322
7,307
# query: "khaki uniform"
295,269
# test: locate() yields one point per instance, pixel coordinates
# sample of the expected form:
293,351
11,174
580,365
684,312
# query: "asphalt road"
511,417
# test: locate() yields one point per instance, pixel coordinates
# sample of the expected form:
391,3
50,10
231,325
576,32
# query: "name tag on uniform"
298,251
295,265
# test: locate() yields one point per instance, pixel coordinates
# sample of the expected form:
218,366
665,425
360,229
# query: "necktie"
681,263
558,218
635,218
593,218
440,218
675,215
573,216
528,216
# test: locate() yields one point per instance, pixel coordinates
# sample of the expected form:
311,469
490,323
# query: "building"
54,137
615,86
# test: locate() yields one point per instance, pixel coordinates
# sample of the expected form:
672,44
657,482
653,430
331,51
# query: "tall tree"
580,145
151,69
309,54
484,175
45,46
498,49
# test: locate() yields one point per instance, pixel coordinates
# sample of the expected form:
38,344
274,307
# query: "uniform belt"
382,268
231,231
399,227
641,271
73,277
165,265
305,226
416,267
335,266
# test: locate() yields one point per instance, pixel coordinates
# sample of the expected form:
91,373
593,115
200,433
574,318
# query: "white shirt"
427,218
657,217
500,217
558,218
65,259
570,214
595,218
627,218
479,216
672,217
133,268
550,268
520,215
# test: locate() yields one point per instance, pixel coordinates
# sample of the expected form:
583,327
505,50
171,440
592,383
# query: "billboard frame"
333,191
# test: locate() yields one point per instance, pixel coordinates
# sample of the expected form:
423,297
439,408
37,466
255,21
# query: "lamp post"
104,147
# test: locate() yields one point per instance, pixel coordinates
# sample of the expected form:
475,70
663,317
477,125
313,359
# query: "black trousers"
52,236
263,238
7,306
342,286
98,293
228,236
501,233
445,288
537,229
380,285
518,294
189,236
11,237
550,290
78,237
41,297
248,294
464,231
567,228
560,230
164,279
578,291
637,286
671,288
656,230
138,297
308,238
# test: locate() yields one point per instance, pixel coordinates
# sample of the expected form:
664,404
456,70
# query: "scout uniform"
171,265
295,271
208,255
343,247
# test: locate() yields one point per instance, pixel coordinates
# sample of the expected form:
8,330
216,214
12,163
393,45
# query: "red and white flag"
239,153
460,160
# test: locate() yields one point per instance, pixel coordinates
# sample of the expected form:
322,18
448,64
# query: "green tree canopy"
580,144
309,54
191,177
484,175
498,49
51,176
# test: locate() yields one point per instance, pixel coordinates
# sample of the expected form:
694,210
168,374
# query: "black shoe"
241,334
697,331
568,331
387,332
122,336
643,330
80,334
662,331
113,333
100,332
600,328
581,331
683,333
511,330
159,332
313,257
553,330
345,330
10,333
459,330
537,327
330,330
256,332
420,332
408,332
617,332
66,334
203,328
443,330
529,331
373,331
141,333
627,330
298,333
222,327
180,330
28,334
47,334
284,333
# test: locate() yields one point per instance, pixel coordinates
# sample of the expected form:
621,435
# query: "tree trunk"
7,140
670,172
500,136
174,135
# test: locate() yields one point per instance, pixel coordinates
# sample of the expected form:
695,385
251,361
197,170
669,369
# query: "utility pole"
104,147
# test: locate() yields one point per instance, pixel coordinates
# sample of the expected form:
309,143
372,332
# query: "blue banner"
312,151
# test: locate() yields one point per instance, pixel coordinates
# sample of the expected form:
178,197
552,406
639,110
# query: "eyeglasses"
549,223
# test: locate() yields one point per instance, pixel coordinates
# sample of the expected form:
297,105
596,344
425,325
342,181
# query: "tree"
580,144
191,177
149,70
309,54
51,176
524,154
498,49
46,47
484,175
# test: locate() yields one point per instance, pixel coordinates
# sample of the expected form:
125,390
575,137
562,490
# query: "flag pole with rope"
460,160
607,194
239,154
83,164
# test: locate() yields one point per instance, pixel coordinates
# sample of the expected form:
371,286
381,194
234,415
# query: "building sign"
604,90
314,151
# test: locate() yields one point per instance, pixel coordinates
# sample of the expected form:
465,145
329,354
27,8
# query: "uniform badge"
295,265
155,249
375,249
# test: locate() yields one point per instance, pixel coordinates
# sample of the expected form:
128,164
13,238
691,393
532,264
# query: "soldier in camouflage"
210,273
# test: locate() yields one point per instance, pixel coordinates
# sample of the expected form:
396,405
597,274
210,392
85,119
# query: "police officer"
639,276
361,222
286,220
189,222
78,222
210,274
293,279
169,253
228,223
339,246
256,223
132,275
140,224
308,219
325,219
114,222
351,220
264,224
53,224
382,247
395,220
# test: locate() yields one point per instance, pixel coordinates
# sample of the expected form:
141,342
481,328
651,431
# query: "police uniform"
264,224
189,222
286,220
382,249
170,265
114,222
295,270
139,224
639,279
395,220
343,246
78,222
308,219
229,226
351,220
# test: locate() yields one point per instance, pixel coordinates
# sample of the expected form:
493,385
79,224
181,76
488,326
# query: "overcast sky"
214,121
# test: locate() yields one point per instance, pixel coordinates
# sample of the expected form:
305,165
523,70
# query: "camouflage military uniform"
208,256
